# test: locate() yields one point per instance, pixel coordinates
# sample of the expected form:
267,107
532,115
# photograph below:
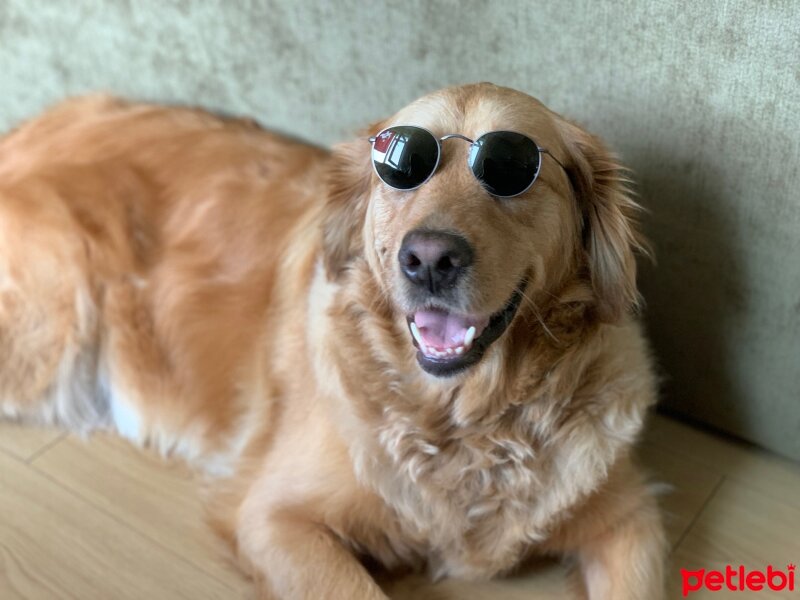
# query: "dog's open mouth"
448,342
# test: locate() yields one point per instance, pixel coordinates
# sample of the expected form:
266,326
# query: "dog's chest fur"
476,497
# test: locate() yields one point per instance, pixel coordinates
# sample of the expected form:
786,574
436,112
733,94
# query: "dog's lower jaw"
474,346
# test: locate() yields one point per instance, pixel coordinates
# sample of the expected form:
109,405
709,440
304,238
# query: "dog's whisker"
529,301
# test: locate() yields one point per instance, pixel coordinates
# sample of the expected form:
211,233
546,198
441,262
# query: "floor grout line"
14,456
45,448
699,512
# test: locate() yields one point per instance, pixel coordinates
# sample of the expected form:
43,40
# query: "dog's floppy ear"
348,187
610,226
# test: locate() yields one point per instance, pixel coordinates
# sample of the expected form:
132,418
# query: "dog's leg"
627,561
284,515
294,558
617,536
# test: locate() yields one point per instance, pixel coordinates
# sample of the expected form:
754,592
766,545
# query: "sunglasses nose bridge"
456,136
456,150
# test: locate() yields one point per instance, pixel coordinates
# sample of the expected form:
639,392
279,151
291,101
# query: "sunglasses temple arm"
545,151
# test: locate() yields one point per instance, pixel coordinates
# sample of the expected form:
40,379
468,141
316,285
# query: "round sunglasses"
506,163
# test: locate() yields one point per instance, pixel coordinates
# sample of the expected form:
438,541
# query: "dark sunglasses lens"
404,156
506,163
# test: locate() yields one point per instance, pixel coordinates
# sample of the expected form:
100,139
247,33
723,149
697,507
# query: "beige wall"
702,99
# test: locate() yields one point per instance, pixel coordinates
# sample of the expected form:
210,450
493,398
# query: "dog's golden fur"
212,289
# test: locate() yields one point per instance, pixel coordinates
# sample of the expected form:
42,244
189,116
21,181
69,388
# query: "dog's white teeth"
415,333
432,352
469,337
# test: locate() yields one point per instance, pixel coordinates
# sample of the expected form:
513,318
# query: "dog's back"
138,250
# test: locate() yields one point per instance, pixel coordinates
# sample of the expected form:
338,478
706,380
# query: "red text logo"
738,579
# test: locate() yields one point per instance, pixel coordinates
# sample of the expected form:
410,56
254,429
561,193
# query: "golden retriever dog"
439,377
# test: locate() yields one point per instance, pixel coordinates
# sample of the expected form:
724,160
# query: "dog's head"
459,265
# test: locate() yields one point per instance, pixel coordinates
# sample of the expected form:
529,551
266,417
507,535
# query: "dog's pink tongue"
440,329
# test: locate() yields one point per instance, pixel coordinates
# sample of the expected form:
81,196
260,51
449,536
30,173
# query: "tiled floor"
101,520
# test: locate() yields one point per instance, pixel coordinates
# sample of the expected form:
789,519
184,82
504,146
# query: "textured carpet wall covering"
702,99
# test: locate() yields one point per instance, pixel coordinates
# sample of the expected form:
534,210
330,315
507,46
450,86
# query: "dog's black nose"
434,259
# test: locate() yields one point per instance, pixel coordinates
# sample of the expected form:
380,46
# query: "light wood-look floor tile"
156,497
741,526
685,486
55,545
100,519
774,476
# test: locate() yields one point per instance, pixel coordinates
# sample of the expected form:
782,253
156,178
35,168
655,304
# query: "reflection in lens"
505,162
405,156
